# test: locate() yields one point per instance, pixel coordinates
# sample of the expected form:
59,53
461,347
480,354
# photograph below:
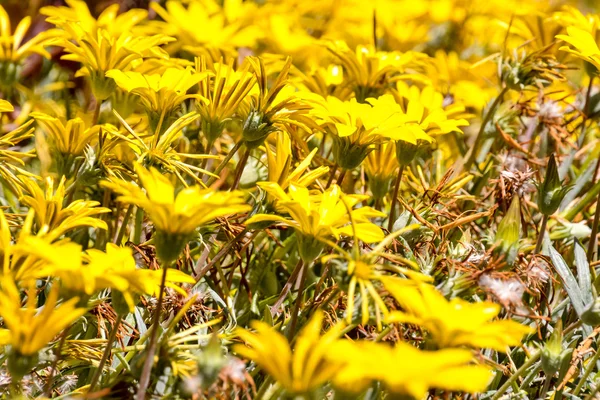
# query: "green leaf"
569,282
583,273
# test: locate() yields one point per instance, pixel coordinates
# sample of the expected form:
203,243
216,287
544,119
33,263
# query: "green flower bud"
348,154
309,248
159,123
212,130
509,230
591,315
102,86
256,129
551,192
406,152
9,74
169,245
590,69
211,361
19,364
553,355
380,186
119,303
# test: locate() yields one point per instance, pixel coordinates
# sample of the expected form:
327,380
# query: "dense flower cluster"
299,200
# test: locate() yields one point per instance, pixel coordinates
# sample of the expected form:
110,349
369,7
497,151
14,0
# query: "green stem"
262,390
540,240
479,138
149,361
240,169
294,321
586,373
223,163
137,229
583,203
592,243
395,198
224,250
593,393
333,171
545,387
105,355
342,176
96,116
124,224
521,371
50,380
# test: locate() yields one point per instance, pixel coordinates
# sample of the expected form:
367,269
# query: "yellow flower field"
337,199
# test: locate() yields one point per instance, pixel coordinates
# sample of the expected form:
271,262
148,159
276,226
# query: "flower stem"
286,288
592,243
105,355
395,198
479,138
124,224
96,116
540,240
591,365
545,387
342,176
294,321
149,361
521,371
50,379
333,171
223,163
240,169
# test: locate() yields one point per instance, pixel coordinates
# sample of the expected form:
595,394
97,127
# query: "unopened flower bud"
20,365
591,315
509,230
553,355
551,192
348,154
406,152
169,245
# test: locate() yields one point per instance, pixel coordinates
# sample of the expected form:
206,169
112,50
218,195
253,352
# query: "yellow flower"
68,139
159,149
11,160
279,164
364,271
582,44
28,255
99,52
416,122
458,81
404,369
318,218
110,19
53,219
222,89
440,118
5,106
381,167
175,217
368,73
13,51
273,108
571,16
301,370
160,94
357,127
31,330
454,323
115,269
206,26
